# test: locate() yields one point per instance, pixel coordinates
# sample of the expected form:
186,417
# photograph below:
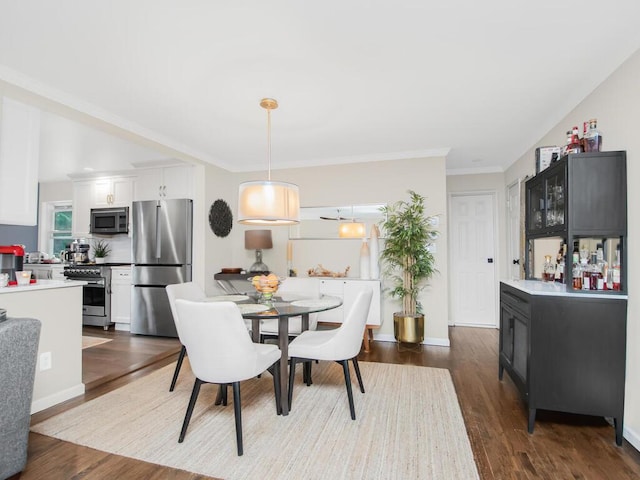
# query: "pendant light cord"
269,143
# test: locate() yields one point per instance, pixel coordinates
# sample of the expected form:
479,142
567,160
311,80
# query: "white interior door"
515,262
473,266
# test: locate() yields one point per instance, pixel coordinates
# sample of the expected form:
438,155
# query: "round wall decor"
220,218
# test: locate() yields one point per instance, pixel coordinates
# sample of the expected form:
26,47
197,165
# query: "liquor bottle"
548,270
575,145
565,147
603,267
583,140
596,282
615,271
586,274
559,276
593,137
576,272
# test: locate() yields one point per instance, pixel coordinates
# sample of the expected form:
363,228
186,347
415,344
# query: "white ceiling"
356,80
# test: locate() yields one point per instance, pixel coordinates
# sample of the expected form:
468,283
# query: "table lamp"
258,240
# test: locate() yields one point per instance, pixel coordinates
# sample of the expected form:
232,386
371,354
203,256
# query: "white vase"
100,260
365,261
374,253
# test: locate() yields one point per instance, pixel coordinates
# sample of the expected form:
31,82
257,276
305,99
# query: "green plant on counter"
407,260
101,249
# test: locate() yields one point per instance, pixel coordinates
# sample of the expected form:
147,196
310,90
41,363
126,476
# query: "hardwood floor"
563,446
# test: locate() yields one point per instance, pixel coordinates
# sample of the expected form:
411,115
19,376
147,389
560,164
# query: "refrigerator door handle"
158,236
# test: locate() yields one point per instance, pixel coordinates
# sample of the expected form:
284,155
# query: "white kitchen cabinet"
19,156
121,297
41,272
164,183
101,192
46,271
113,192
348,289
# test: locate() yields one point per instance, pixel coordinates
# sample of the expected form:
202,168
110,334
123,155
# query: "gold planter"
408,328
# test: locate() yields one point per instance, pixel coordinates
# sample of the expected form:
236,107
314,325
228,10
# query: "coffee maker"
11,260
80,251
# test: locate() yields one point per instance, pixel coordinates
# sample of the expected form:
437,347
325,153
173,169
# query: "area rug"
88,342
408,426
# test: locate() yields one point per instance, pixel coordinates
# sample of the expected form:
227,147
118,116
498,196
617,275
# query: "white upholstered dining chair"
221,352
184,291
339,345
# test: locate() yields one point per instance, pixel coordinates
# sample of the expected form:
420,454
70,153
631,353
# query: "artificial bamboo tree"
406,257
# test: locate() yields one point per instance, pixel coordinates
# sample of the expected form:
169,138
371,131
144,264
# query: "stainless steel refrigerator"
161,254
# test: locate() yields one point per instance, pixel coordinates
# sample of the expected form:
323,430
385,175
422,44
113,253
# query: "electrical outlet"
45,361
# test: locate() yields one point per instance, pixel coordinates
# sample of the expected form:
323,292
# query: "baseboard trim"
434,341
632,437
56,398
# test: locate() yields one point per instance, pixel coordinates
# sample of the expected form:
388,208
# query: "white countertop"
42,285
538,287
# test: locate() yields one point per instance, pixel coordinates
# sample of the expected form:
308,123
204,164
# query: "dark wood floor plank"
563,446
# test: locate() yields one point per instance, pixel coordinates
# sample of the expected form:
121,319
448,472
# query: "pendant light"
264,202
351,229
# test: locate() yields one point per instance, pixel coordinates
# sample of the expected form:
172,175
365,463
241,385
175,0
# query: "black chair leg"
275,371
192,403
292,374
357,368
183,352
224,393
347,381
219,395
237,410
306,375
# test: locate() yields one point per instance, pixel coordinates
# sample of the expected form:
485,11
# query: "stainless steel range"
96,294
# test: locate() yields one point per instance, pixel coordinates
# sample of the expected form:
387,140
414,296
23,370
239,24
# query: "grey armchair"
19,338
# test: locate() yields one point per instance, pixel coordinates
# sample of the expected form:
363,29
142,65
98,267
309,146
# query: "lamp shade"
264,202
257,239
351,230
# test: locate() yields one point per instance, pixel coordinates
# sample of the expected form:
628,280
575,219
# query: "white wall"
616,105
377,182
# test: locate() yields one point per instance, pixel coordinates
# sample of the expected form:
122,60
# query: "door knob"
489,260
516,261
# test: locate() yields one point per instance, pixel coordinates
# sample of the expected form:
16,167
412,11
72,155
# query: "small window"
60,228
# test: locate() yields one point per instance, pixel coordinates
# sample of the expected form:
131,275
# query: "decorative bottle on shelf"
615,271
365,261
603,267
593,137
576,272
374,253
585,271
548,270
559,275
575,145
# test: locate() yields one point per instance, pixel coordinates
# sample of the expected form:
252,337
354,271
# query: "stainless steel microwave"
110,221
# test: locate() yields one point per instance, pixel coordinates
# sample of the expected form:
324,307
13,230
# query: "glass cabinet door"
555,200
536,206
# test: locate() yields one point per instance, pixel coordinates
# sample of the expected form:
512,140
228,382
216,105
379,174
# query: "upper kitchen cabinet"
19,156
99,193
164,183
582,193
113,192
